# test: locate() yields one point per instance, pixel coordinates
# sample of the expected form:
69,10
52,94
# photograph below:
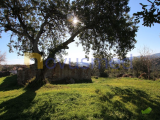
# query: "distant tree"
102,60
156,68
41,27
145,64
150,16
137,66
5,67
121,66
94,70
2,57
147,59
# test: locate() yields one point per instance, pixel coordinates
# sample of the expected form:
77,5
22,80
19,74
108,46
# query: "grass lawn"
104,99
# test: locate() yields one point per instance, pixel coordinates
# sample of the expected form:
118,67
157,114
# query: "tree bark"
40,77
39,80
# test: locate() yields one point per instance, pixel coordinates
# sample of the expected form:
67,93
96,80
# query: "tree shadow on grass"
158,96
64,81
142,100
20,108
117,110
9,83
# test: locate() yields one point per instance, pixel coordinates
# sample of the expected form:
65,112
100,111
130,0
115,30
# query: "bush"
105,74
1,67
4,73
135,74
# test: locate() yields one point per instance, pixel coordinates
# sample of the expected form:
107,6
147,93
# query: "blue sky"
146,36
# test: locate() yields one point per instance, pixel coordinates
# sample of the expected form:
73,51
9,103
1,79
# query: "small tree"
94,69
101,61
137,66
147,59
2,59
156,68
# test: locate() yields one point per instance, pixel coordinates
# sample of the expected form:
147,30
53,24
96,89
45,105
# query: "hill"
157,55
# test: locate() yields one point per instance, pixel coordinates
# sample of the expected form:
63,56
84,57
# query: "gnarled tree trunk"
40,77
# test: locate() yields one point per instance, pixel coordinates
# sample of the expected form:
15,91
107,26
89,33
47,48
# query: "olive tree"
41,27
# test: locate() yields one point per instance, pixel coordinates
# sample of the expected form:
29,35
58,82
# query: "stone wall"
25,74
59,72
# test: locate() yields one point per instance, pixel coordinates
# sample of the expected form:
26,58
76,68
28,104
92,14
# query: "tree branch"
24,27
20,20
50,13
8,27
65,44
40,31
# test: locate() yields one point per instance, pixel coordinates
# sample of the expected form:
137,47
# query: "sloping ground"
104,99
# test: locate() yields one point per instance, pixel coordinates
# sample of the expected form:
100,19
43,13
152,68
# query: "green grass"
104,99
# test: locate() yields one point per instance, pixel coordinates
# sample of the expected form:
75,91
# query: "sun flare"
75,21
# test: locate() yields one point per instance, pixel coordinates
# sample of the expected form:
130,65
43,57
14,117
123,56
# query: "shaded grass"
76,81
103,99
8,83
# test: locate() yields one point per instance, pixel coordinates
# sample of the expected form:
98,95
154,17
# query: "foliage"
147,59
94,70
119,67
7,67
138,66
41,26
1,67
106,25
146,63
36,25
101,62
150,16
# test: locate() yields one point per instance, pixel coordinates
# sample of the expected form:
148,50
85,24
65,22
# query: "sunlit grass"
104,99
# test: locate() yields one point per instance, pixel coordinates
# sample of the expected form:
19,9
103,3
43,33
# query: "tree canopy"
41,26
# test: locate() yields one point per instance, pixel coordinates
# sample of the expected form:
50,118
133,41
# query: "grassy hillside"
104,99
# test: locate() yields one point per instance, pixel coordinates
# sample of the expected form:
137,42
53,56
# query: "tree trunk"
40,77
148,74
